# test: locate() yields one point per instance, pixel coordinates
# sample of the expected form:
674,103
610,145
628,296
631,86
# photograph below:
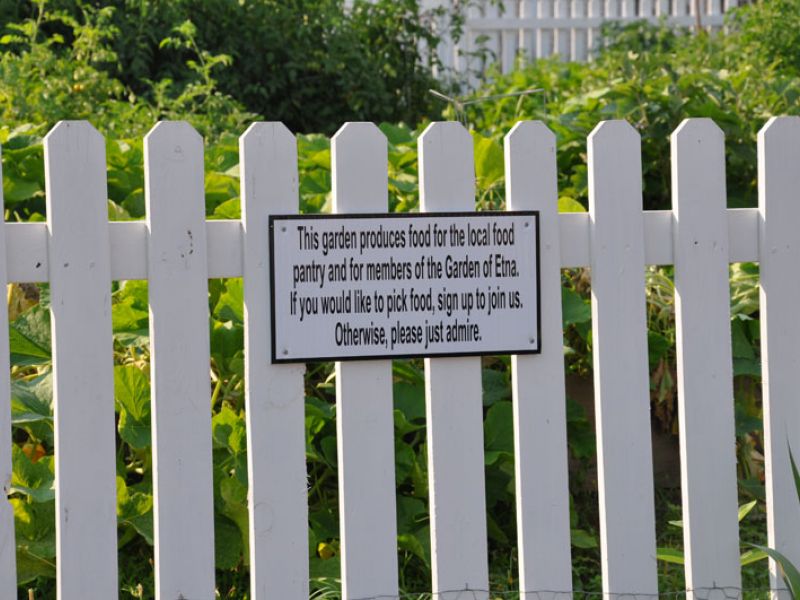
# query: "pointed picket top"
359,152
84,144
73,131
175,129
615,147
446,171
698,145
779,254
269,147
780,128
613,129
540,427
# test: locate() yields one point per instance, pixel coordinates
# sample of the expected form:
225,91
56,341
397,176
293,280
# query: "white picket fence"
508,29
79,253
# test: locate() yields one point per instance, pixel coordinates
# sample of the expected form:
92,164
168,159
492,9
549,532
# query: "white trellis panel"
540,426
779,251
619,351
8,568
705,376
183,512
454,403
364,408
274,394
83,380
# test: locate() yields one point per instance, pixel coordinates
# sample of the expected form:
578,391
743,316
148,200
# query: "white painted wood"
562,40
274,394
544,37
183,514
778,182
8,565
364,407
27,245
579,49
705,380
83,379
454,404
619,351
540,427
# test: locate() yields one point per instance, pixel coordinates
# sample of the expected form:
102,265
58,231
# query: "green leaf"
567,204
745,509
751,556
409,398
496,386
583,539
499,428
795,473
35,479
18,190
789,572
135,508
29,337
32,406
228,430
575,308
227,543
230,306
132,393
489,168
670,555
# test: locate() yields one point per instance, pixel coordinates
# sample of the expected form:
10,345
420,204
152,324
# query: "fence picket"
540,427
621,377
183,512
83,378
274,394
8,566
779,255
703,342
453,398
364,408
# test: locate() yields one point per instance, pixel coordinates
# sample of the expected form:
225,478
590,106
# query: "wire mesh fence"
706,593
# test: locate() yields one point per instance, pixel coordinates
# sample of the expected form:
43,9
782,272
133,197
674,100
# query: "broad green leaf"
575,308
135,508
227,543
496,386
230,306
489,168
228,430
567,204
35,479
499,428
132,392
29,337
32,406
410,400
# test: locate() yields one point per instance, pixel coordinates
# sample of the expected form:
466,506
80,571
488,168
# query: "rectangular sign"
348,287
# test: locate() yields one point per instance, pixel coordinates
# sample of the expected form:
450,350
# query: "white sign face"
404,285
